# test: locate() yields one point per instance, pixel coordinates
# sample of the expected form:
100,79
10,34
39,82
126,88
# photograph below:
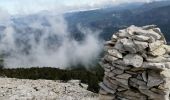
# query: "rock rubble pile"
137,65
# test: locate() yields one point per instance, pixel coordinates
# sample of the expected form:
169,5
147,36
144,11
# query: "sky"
33,6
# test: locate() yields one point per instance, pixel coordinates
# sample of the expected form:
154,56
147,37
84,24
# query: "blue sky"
33,6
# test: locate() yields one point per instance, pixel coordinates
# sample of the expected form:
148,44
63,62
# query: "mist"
46,42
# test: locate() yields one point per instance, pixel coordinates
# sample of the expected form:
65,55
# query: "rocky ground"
22,89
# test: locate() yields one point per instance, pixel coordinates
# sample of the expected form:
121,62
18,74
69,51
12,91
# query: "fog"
46,43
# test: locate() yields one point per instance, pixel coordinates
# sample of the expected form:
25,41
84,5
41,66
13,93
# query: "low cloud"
47,43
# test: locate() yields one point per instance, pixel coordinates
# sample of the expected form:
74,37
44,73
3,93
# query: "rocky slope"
22,89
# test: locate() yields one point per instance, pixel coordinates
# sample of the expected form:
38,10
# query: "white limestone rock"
128,45
110,58
140,46
155,45
158,52
133,59
141,38
115,53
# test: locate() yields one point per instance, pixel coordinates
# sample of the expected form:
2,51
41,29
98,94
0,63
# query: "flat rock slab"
133,59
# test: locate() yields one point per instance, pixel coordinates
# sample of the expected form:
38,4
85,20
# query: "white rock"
155,45
140,46
167,48
148,27
158,52
124,76
141,38
155,66
133,59
115,53
110,58
119,46
128,45
157,59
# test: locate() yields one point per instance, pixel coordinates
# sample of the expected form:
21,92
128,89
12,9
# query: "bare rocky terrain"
23,89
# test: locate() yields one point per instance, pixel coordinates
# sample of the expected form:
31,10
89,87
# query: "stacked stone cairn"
137,65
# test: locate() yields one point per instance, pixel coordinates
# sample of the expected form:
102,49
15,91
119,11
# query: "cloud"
51,45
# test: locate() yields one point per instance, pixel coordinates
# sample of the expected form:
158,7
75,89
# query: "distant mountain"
110,20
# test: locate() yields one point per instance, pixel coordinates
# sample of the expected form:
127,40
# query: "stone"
123,34
139,31
121,67
167,48
157,59
106,97
144,76
109,84
118,71
103,92
148,27
120,82
158,52
154,66
131,95
119,46
155,45
157,30
115,53
110,58
112,43
121,89
165,73
128,45
104,87
114,37
152,95
140,46
109,74
124,76
141,38
133,59
136,83
154,79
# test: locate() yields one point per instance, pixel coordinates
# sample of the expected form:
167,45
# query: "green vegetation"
91,76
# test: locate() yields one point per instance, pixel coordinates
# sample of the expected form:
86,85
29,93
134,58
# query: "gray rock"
124,76
121,89
118,71
144,76
128,45
167,48
131,95
155,45
115,53
121,67
114,37
133,59
147,27
157,30
154,79
153,95
110,58
106,97
140,46
157,59
104,87
158,52
109,84
109,74
141,38
123,34
119,46
136,83
154,66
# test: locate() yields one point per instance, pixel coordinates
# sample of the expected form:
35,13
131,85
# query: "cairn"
137,65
